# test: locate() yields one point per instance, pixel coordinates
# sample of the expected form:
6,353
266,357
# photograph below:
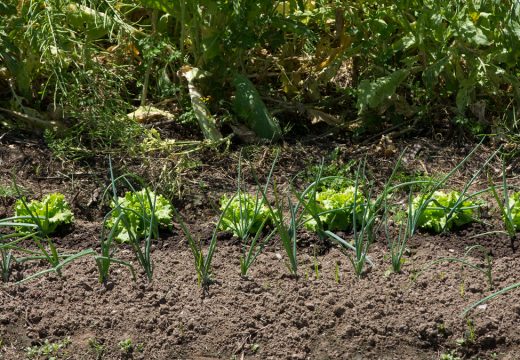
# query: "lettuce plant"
334,208
136,206
434,215
243,214
48,214
514,207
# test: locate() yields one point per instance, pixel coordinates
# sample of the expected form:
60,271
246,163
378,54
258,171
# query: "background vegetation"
73,70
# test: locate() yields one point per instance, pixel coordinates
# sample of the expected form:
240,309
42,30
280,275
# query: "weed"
470,336
98,348
333,168
48,350
337,276
452,355
128,347
316,266
417,181
10,191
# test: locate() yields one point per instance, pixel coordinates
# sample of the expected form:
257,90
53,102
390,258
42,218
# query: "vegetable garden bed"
325,311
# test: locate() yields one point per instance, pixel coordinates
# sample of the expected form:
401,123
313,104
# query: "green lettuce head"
51,212
136,207
434,216
339,206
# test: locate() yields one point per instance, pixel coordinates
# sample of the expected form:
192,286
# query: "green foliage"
434,216
371,94
48,350
244,213
422,54
137,206
128,347
514,207
335,208
98,348
250,107
49,213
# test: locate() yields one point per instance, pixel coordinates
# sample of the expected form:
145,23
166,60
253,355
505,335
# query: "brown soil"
269,315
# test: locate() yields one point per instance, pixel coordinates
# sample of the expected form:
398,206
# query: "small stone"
4,319
339,310
309,305
488,342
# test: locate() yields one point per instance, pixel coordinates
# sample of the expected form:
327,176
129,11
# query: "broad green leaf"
514,205
336,208
431,74
137,210
371,94
471,33
243,213
249,106
206,121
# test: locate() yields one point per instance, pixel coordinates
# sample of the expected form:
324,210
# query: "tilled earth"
325,313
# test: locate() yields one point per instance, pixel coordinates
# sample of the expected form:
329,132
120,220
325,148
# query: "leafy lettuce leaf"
434,216
53,211
137,209
338,205
244,213
514,205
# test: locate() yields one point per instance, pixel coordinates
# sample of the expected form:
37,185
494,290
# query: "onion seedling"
6,248
246,216
490,297
285,227
509,205
397,245
202,261
362,236
46,249
141,214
